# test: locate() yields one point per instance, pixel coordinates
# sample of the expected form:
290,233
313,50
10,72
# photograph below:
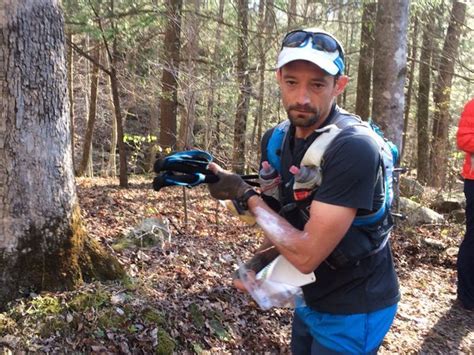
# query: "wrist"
242,201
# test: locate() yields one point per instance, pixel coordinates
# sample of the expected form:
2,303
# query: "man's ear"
341,84
278,75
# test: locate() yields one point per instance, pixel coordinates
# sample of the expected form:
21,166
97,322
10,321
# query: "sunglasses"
321,41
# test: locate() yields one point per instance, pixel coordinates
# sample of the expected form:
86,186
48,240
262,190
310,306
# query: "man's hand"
229,187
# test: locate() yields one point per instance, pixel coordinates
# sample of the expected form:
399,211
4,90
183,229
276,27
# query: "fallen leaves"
178,297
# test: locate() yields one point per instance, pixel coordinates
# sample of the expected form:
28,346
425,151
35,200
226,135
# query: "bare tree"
423,102
42,242
86,160
240,126
169,80
411,79
191,48
442,95
390,67
366,60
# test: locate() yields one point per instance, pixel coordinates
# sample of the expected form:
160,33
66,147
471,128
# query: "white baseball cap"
325,50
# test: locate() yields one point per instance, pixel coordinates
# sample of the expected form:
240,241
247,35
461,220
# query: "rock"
433,243
458,216
417,214
410,187
448,202
152,232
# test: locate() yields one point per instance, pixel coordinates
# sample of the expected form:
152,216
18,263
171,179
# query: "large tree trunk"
366,60
442,96
42,242
423,104
240,127
390,60
86,160
169,80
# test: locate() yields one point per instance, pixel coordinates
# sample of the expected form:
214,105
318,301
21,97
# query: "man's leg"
326,334
465,262
301,339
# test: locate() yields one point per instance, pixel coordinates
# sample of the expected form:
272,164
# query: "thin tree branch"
87,56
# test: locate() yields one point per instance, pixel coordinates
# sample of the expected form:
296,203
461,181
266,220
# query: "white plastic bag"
276,285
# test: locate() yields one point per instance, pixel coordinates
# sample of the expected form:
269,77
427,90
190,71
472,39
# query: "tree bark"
70,90
442,96
169,80
423,103
263,44
87,151
211,115
240,127
390,67
43,245
186,137
291,14
411,77
366,60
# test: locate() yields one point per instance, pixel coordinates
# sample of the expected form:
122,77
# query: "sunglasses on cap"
321,41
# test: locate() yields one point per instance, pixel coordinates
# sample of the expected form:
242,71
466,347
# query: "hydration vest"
308,177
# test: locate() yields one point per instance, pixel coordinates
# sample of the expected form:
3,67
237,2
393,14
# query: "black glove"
229,187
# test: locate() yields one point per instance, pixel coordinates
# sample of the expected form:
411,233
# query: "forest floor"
178,296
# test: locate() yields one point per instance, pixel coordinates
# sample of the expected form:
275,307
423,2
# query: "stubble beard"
303,121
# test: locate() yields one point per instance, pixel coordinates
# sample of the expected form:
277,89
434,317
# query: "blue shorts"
322,333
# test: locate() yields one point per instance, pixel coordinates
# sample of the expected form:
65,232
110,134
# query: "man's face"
308,92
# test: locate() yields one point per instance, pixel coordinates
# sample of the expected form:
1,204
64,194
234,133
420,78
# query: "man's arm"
306,249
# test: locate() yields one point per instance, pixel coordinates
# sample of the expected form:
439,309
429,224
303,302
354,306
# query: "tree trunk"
411,77
423,103
70,90
169,80
366,60
186,137
390,67
43,245
123,177
291,14
240,127
212,76
86,160
442,95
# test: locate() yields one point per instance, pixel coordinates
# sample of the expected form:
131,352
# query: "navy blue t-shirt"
352,177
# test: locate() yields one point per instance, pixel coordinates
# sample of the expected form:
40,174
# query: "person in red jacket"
465,262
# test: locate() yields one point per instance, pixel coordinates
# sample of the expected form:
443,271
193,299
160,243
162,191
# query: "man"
352,304
465,263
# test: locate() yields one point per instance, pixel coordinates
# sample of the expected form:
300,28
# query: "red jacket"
465,139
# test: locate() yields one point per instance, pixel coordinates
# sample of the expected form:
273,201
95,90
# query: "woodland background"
199,74
88,265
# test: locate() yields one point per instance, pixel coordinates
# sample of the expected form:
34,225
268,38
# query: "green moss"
7,325
122,244
111,319
44,306
196,316
129,283
151,316
84,301
166,344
